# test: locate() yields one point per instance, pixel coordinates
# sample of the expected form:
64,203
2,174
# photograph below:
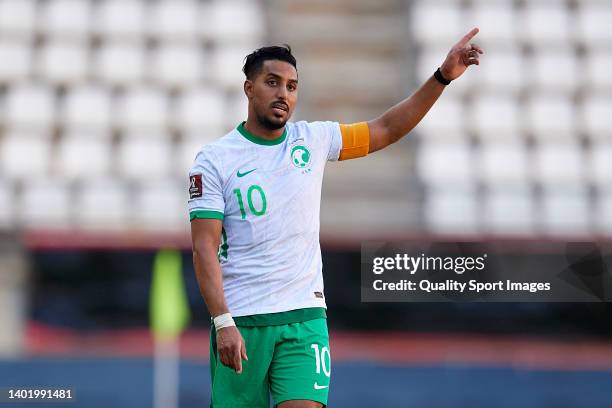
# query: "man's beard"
268,124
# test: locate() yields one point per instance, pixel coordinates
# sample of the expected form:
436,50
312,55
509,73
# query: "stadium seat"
162,204
546,23
16,57
596,117
442,163
7,204
566,211
554,70
187,149
504,163
121,19
236,110
234,21
139,156
452,210
142,109
509,210
63,63
445,120
30,106
559,163
593,22
440,22
120,63
103,204
598,68
66,18
24,155
45,203
227,62
17,18
87,108
507,60
429,58
199,109
174,20
494,116
551,116
177,65
496,20
599,162
80,157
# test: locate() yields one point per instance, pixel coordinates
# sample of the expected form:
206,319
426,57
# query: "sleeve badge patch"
195,186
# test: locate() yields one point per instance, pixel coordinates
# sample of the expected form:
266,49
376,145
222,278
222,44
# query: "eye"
271,82
291,87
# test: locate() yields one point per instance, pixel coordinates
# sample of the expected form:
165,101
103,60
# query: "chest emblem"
300,156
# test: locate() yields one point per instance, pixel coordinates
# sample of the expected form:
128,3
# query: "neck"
253,126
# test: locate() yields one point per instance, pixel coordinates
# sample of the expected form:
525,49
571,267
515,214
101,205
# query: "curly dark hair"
254,61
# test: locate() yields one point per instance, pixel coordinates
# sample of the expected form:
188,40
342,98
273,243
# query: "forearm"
403,117
210,280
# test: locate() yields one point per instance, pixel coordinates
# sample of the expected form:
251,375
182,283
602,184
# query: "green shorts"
290,361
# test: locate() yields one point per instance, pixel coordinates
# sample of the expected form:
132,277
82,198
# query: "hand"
462,55
231,348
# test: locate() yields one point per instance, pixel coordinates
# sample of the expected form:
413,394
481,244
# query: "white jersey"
268,194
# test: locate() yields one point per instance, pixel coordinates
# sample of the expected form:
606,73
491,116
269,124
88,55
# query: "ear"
248,88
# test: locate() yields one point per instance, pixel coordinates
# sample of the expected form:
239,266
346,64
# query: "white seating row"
541,23
101,203
508,163
160,203
554,70
220,20
121,63
494,115
141,108
515,211
23,156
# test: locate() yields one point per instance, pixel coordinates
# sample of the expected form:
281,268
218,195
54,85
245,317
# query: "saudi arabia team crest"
301,157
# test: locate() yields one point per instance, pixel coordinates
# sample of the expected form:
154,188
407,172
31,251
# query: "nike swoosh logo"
239,174
320,387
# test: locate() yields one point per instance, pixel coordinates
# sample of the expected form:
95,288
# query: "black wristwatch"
440,78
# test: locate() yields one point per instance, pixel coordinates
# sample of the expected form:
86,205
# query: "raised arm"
403,117
205,235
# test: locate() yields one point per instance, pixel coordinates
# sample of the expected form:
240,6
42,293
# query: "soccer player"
254,199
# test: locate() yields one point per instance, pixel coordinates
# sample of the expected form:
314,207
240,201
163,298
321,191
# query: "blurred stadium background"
104,103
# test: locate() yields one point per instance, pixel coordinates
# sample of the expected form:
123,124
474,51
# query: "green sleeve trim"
205,214
277,319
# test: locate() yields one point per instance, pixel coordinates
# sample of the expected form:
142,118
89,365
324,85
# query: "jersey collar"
259,140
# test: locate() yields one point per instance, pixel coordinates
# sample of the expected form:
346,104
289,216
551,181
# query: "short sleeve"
335,141
329,136
205,187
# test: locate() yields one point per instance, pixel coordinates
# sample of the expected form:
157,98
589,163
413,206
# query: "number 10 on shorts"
321,360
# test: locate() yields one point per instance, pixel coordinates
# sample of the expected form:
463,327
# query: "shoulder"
216,150
212,156
313,130
316,126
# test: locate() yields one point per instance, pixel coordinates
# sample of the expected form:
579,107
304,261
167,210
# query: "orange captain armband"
355,140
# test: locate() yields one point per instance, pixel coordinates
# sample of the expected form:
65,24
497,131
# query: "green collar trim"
260,140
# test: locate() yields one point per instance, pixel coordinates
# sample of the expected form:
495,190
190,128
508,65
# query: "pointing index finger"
466,38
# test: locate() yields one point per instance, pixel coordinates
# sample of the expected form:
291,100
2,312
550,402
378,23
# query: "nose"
282,93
